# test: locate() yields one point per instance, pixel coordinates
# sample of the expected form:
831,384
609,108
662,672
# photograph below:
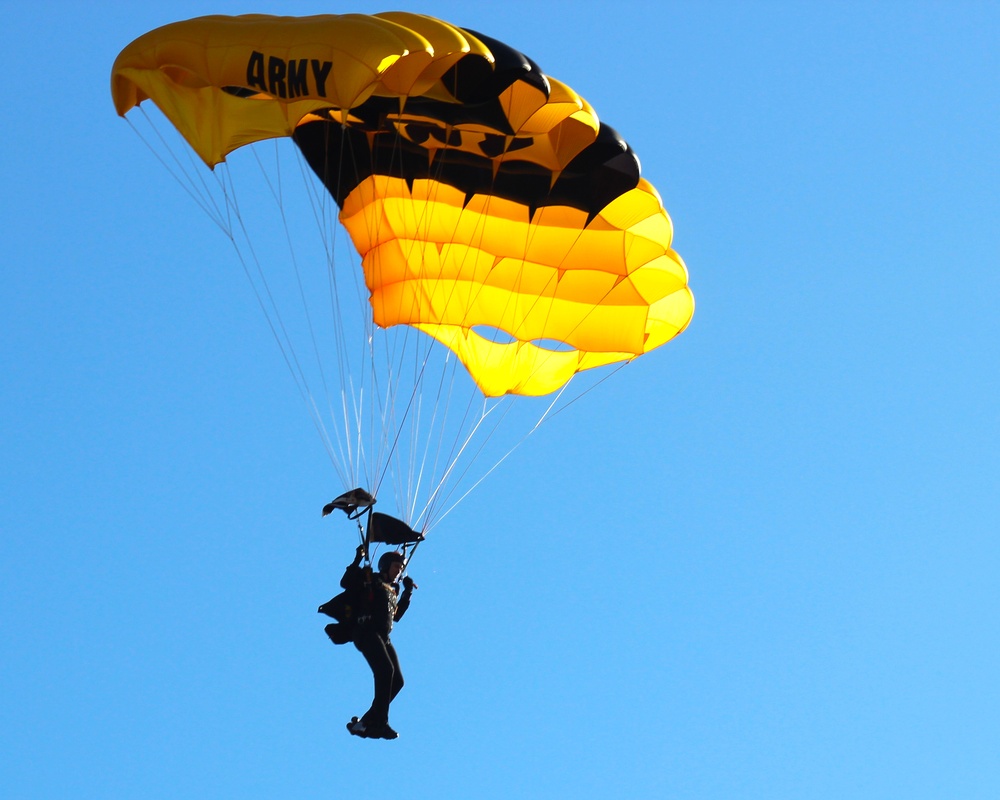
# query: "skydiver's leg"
373,648
397,675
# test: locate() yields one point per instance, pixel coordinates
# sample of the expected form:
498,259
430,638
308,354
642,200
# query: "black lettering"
276,76
297,84
255,71
320,72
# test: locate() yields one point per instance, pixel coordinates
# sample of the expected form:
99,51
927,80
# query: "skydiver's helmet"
388,559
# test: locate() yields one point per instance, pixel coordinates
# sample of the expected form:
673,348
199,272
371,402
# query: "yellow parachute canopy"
492,209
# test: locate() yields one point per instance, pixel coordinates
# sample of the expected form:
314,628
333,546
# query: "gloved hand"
408,584
359,554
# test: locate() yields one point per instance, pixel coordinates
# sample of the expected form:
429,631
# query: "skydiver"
381,606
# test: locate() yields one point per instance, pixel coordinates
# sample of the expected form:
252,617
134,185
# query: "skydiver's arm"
404,598
354,575
351,577
402,605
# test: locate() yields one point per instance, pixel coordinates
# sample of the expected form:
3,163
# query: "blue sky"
759,562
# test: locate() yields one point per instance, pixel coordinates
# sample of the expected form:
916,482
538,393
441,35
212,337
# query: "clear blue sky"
760,562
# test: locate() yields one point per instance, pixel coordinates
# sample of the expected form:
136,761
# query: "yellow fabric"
609,289
184,66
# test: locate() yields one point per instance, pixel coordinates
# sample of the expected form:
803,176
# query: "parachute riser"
364,533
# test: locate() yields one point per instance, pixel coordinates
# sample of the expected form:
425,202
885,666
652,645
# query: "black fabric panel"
344,157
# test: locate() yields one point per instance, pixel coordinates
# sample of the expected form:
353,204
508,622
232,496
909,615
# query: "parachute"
492,211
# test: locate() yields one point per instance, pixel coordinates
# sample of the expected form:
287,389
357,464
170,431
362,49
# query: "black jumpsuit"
382,607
